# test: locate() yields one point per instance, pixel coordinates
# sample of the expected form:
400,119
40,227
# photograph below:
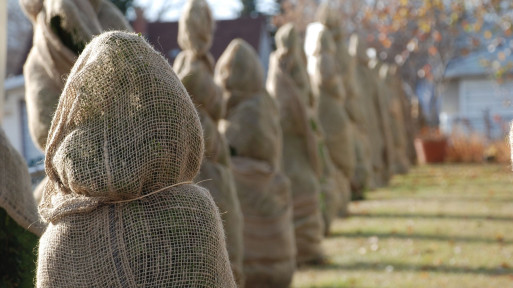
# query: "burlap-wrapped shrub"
61,30
366,80
380,103
123,149
252,129
286,83
397,123
361,179
405,105
19,225
332,187
195,68
329,89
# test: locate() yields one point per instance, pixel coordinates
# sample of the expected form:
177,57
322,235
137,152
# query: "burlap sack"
300,154
380,102
123,149
195,68
369,93
61,30
329,90
252,129
335,191
401,162
328,15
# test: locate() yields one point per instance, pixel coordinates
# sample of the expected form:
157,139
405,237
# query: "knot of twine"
152,193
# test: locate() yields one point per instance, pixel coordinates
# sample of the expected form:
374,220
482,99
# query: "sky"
222,9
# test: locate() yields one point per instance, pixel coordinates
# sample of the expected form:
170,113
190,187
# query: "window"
32,155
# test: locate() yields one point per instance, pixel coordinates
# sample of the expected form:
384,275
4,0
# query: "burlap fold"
195,68
254,135
16,190
61,30
287,82
123,146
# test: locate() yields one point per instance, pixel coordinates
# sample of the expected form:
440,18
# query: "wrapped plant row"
126,139
254,135
329,90
286,83
195,68
359,161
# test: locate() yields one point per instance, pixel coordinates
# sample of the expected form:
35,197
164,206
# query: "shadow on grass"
445,199
426,237
402,267
433,216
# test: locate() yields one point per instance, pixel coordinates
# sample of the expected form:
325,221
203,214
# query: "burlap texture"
252,129
195,68
196,27
61,30
31,8
15,188
286,84
123,144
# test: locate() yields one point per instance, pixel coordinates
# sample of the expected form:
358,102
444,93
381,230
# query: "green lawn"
439,226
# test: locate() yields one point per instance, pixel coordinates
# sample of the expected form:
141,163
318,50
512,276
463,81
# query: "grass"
439,226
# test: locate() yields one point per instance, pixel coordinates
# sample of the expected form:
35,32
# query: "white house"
15,122
472,97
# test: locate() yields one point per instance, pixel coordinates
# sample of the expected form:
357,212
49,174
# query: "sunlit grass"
439,226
